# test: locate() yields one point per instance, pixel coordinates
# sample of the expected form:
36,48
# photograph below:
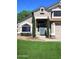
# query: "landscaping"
38,50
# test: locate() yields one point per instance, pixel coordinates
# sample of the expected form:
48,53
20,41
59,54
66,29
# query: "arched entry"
41,25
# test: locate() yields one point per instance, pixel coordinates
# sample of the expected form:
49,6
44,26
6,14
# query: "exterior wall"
38,14
58,29
55,19
19,29
27,21
55,29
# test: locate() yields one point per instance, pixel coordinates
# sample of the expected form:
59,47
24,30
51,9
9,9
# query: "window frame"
27,28
57,15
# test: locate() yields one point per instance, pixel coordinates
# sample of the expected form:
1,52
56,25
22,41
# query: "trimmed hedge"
33,25
48,26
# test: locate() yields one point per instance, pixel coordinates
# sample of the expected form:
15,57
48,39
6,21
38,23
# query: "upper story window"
42,9
57,13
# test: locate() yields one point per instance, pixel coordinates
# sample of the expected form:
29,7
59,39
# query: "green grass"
38,50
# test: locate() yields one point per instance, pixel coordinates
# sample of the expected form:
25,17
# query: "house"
44,22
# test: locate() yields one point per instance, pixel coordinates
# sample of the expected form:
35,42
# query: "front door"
41,25
42,31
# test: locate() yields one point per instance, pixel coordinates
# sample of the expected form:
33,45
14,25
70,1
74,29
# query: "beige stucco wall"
27,21
58,31
38,14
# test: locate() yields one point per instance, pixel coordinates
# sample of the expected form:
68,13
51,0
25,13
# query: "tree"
48,26
22,15
33,26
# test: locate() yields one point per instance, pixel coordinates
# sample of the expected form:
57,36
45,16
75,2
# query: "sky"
30,5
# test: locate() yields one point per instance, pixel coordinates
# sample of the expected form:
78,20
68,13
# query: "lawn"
38,50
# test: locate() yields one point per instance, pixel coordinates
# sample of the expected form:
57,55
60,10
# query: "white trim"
53,29
22,23
55,16
41,17
26,32
56,9
20,27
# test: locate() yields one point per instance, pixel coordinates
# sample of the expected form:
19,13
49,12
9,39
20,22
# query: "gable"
41,13
57,5
56,9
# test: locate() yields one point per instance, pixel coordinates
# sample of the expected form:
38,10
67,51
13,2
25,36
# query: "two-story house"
44,22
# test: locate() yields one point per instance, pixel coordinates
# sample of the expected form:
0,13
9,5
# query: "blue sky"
33,4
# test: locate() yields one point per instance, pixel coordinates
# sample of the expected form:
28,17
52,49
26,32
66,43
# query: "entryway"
42,31
41,27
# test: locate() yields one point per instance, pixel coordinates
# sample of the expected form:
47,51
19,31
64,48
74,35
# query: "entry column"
53,30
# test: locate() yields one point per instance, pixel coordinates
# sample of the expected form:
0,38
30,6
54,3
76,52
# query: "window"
57,13
41,13
41,9
26,28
